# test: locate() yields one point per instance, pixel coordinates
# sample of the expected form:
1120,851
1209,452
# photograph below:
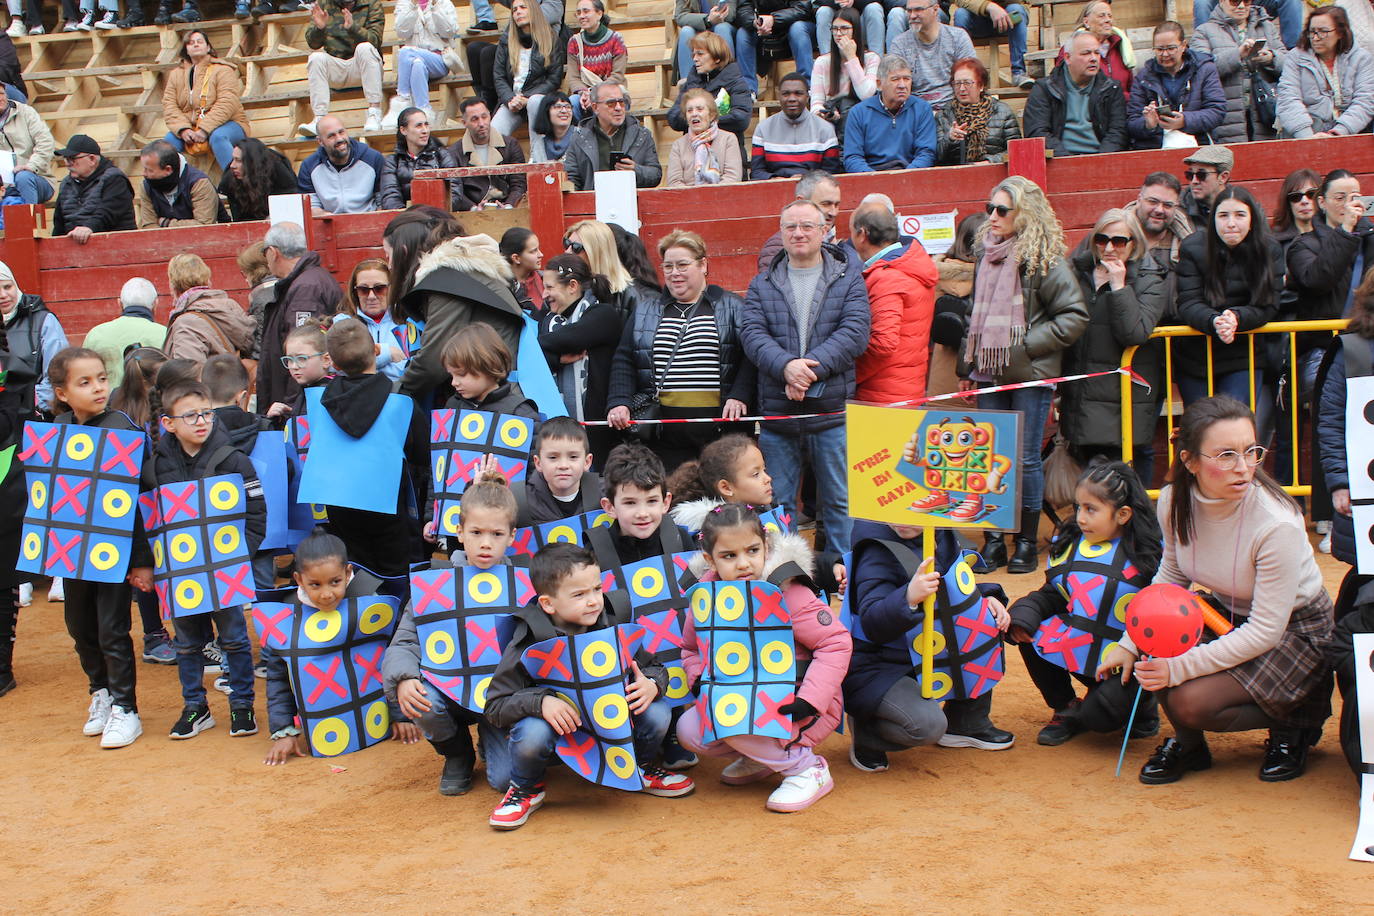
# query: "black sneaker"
7,683
291,6
988,738
1171,760
193,721
214,657
1145,728
87,21
134,19
457,776
189,13
1063,725
482,27
241,9
866,760
242,722
163,16
675,756
265,8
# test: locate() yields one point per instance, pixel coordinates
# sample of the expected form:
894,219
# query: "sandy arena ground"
204,826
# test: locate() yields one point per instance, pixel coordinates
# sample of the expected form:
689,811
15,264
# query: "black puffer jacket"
103,202
727,78
398,169
1321,265
544,76
1197,311
219,455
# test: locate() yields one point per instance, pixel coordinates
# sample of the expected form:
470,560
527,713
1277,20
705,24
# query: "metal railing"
1168,332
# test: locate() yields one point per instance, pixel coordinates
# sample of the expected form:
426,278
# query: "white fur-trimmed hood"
471,254
783,547
692,514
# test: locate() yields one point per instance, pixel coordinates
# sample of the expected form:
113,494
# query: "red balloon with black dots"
1164,620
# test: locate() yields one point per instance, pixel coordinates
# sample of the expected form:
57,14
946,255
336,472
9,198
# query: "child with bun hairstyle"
735,547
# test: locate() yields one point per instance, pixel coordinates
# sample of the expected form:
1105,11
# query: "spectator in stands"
1231,36
26,18
255,173
1327,86
893,129
1176,93
611,140
365,299
24,134
1126,293
520,247
983,19
594,242
202,102
839,80
900,279
204,321
1118,57
1078,108
84,19
482,144
1297,206
595,55
974,126
1164,223
707,375
1208,172
1021,338
347,38
343,175
553,125
252,263
794,141
416,149
706,155
94,197
428,30
304,291
174,192
33,336
930,48
11,71
821,189
135,327
731,20
529,65
716,73
1285,14
482,54
1361,16
805,324
782,28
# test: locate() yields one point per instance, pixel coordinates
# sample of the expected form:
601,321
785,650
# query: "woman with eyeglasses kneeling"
1327,86
1229,528
365,299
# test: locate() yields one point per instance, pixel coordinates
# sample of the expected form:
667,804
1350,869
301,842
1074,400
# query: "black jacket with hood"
219,455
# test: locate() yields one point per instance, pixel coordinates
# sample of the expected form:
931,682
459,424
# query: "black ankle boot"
1025,559
133,18
164,13
993,555
1171,760
1285,755
190,12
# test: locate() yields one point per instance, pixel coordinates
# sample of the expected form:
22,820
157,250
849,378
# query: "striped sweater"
605,58
783,147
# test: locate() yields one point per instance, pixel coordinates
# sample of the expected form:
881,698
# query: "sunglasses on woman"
379,290
1295,196
998,209
574,247
1116,241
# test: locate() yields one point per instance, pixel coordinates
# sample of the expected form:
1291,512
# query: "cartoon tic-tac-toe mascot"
959,463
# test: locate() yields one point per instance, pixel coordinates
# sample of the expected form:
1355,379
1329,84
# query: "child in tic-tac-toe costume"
479,365
882,692
563,485
568,583
1341,652
308,363
1101,555
735,547
196,448
97,613
487,528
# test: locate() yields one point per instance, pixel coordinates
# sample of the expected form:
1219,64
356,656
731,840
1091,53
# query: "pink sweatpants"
771,752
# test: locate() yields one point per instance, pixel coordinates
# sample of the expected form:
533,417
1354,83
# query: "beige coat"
682,163
204,204
24,133
224,98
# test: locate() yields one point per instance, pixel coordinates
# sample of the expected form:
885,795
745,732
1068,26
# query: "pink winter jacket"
819,636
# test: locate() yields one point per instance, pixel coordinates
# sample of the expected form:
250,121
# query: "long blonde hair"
541,36
599,244
1039,236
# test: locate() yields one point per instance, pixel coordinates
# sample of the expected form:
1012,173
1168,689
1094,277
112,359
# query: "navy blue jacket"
878,598
1331,452
1202,100
875,139
838,337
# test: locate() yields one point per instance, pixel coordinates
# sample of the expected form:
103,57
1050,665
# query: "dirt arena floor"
204,826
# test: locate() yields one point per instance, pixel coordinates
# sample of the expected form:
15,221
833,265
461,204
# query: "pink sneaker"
797,793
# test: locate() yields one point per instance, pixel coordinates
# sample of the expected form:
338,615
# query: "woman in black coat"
13,500
716,71
415,150
255,173
520,99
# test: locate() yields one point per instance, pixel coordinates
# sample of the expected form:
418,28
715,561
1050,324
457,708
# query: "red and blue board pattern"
1098,582
201,562
459,441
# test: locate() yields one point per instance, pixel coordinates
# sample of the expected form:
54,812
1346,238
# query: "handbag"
1264,100
645,405
201,147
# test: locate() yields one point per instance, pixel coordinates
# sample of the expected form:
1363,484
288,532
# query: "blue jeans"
878,28
415,67
1289,14
1034,406
222,140
1237,385
783,455
34,188
684,52
532,742
747,56
446,718
12,92
801,38
192,633
482,10
981,27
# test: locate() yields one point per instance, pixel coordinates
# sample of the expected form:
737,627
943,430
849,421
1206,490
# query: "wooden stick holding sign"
928,625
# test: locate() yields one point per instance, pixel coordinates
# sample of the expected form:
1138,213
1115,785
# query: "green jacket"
369,19
113,338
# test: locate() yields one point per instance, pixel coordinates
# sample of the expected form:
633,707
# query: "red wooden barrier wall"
81,283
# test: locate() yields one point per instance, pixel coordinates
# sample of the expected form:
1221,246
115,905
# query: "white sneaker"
803,790
431,117
99,714
16,29
222,685
25,594
122,730
399,103
310,128
744,771
1323,527
87,21
1324,545
56,591
374,119
108,20
37,30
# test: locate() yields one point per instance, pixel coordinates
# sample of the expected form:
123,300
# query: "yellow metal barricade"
1169,332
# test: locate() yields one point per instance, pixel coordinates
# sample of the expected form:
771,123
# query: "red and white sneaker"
803,790
936,500
970,508
516,807
665,783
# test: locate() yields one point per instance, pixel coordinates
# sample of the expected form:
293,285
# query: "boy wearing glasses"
194,447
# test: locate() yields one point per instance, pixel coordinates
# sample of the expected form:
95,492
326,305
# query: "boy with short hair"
636,489
197,449
563,485
568,584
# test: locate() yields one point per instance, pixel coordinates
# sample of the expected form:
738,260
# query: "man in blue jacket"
343,175
1180,89
891,129
805,323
